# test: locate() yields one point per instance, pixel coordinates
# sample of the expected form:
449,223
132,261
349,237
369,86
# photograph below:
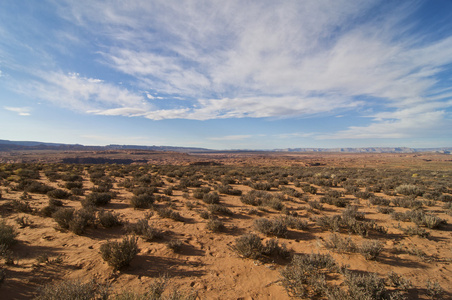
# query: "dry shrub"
74,220
304,277
73,289
249,246
143,229
371,249
119,254
7,236
166,212
276,227
108,219
96,199
215,225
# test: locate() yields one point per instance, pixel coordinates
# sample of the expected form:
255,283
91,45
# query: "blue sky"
227,74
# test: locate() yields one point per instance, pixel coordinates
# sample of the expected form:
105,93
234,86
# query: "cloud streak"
21,111
260,59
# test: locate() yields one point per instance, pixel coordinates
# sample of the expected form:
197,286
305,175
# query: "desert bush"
142,201
295,223
331,223
415,231
407,202
74,220
119,254
309,189
365,286
228,190
108,219
32,186
73,185
168,191
336,243
398,281
175,245
253,197
385,210
371,249
143,229
273,249
144,190
291,192
261,186
276,227
215,225
73,289
249,246
21,206
23,221
204,214
379,201
55,202
315,205
166,212
211,198
434,289
58,194
339,202
445,198
409,189
96,199
304,277
77,192
7,236
363,194
200,192
219,209
351,212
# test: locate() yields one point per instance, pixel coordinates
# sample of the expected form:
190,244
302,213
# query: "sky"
227,74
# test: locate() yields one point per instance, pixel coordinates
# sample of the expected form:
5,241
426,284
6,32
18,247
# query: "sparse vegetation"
119,254
379,219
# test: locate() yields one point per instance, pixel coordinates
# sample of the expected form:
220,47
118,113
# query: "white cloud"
260,59
84,94
21,111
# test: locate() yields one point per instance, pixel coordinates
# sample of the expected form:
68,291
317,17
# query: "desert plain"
227,225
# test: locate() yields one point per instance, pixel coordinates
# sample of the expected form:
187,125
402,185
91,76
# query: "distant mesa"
6,145
100,160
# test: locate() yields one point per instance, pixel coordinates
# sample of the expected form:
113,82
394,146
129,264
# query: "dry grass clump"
74,220
175,245
262,198
158,290
211,198
119,254
143,229
371,249
166,212
58,194
420,218
276,227
304,277
96,199
73,289
218,209
215,225
108,219
251,246
7,236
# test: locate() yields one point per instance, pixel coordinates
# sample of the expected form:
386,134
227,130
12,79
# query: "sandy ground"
207,263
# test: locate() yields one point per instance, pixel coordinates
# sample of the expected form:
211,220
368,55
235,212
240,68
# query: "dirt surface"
207,261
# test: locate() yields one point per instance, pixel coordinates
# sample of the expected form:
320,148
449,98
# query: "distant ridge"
6,145
446,150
